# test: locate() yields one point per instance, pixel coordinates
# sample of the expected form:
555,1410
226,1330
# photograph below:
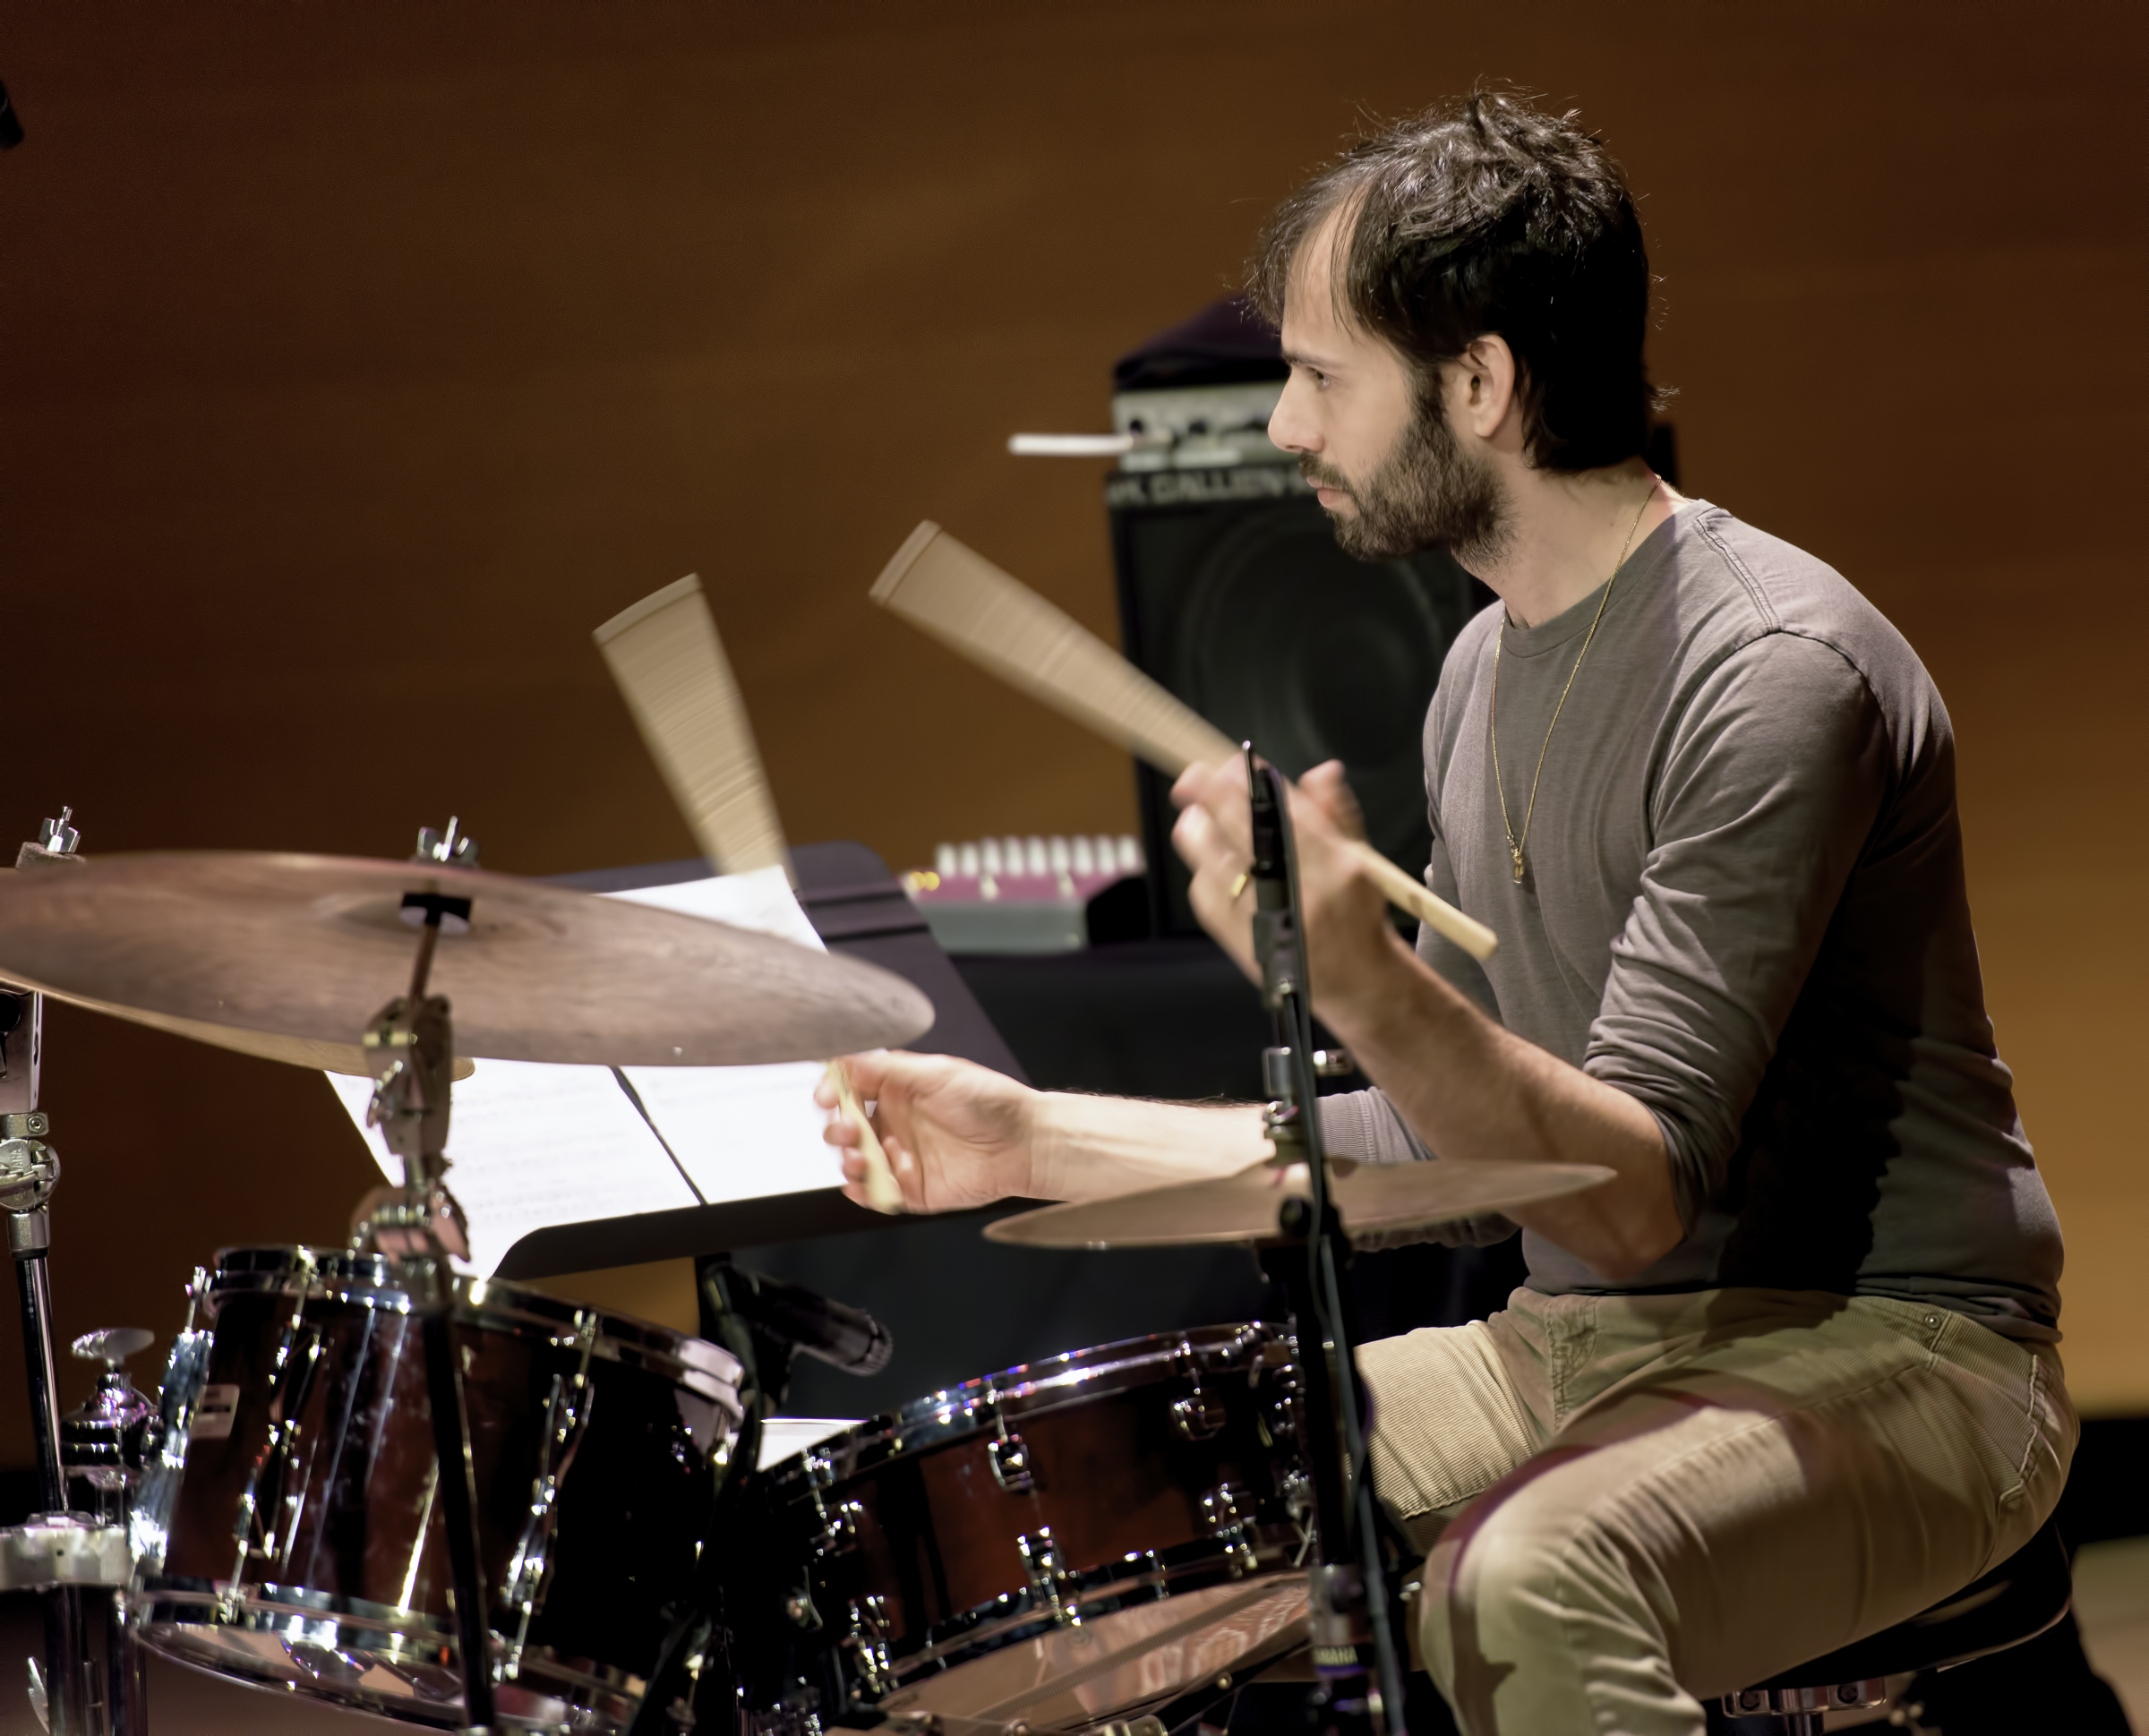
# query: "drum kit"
382,1482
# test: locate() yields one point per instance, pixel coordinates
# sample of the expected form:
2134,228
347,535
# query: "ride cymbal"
310,947
1243,1207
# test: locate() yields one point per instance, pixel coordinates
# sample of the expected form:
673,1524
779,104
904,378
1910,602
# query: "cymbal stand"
76,1563
411,1045
1352,1619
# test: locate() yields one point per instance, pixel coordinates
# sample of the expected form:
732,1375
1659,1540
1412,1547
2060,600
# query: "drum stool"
2016,1602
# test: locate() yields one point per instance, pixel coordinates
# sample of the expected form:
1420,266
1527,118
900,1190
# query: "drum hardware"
56,1549
1226,1508
410,1045
1197,1416
1298,1501
411,1042
839,1529
868,1643
1047,1572
29,1171
457,1492
104,1443
104,1440
1009,1456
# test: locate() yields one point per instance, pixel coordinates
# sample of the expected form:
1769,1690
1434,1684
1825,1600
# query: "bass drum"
1076,1539
289,1533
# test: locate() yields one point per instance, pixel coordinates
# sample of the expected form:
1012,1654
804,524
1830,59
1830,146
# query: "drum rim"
339,1274
958,1412
156,1603
1145,1576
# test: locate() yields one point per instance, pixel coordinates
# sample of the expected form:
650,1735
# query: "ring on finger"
1238,886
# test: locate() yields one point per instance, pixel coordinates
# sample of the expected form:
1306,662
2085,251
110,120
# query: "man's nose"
1289,427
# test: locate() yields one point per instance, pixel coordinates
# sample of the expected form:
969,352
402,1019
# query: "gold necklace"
1514,845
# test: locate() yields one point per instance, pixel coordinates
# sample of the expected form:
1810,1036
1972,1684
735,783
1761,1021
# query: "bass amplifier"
1234,595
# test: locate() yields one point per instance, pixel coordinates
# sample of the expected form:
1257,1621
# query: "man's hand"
956,1134
1469,1087
1350,945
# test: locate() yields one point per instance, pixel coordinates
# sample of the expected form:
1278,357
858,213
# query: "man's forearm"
1084,1148
1473,1090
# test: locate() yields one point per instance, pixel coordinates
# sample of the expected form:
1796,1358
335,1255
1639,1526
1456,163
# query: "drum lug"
1047,1574
1298,1501
1010,1460
839,1528
868,1643
1195,1417
840,1519
1224,1510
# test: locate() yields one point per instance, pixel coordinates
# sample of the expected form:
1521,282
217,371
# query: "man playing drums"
1790,1376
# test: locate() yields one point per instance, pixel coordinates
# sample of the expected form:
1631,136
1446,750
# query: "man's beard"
1426,493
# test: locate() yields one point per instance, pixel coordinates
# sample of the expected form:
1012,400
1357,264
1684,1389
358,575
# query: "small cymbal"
310,947
1243,1207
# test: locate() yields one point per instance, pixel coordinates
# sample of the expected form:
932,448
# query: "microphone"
842,1336
1276,939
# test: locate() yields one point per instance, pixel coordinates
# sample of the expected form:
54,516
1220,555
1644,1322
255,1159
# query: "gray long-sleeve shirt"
1745,906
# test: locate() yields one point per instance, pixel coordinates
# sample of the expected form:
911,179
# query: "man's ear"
1490,398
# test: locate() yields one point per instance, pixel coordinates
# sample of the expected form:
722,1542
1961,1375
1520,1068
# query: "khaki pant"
1634,1503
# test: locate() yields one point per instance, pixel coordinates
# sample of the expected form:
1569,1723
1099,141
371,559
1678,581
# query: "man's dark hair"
1490,216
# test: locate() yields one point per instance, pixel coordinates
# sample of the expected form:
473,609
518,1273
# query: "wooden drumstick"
671,667
969,604
883,1193
665,655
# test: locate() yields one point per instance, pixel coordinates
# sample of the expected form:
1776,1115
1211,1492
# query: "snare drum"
1134,1507
289,1532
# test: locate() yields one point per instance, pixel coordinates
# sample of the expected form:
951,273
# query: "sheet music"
534,1144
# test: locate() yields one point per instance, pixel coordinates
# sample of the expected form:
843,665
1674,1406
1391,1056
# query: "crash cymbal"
310,947
264,1044
1243,1208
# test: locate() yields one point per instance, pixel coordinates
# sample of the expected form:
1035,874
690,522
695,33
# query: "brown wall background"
358,359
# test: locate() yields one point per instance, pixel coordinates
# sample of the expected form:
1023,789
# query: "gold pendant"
1516,852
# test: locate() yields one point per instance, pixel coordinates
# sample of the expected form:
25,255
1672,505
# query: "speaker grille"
1245,608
